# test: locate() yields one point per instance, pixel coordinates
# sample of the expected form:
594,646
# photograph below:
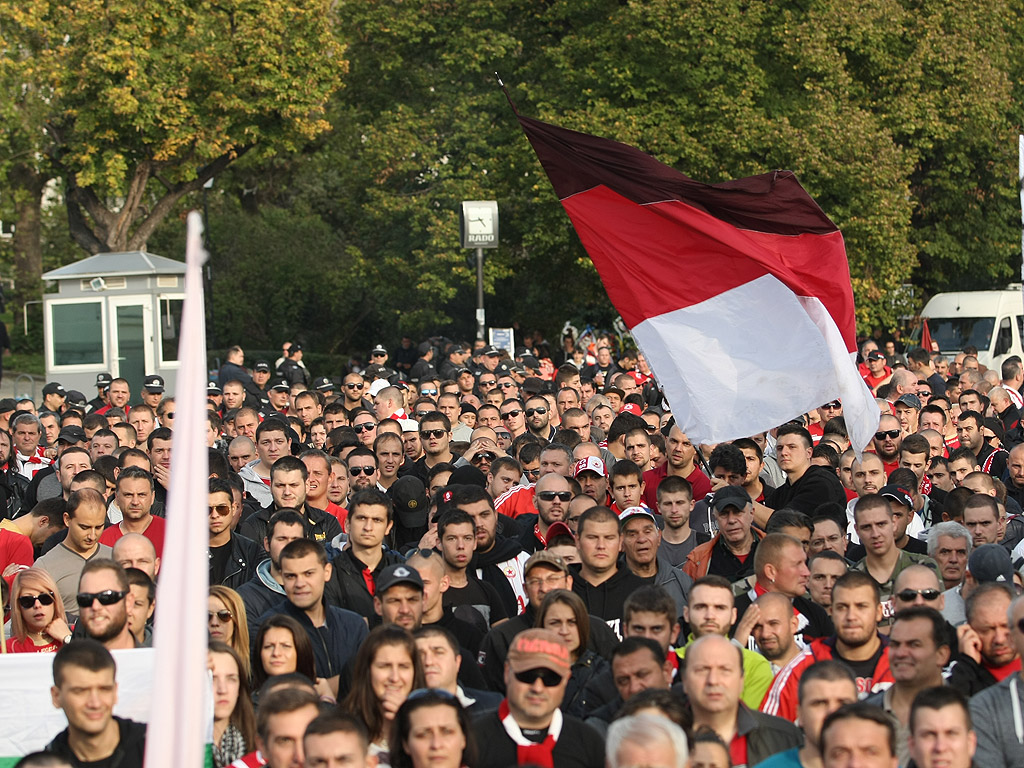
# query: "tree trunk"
28,185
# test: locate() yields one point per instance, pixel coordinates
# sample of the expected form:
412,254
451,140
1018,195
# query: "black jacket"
767,735
320,525
130,751
245,556
334,645
347,587
487,564
578,746
607,599
588,667
293,373
969,677
817,486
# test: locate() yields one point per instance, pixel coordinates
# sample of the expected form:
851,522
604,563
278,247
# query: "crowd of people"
465,557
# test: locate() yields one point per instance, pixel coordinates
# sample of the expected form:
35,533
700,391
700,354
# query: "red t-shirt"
339,512
1003,672
154,532
652,479
14,548
14,645
738,750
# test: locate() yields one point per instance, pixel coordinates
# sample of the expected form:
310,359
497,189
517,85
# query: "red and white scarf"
529,752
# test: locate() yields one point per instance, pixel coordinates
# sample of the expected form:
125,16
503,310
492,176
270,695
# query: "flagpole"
180,725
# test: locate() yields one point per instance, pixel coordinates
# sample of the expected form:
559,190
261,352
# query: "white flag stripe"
180,725
750,359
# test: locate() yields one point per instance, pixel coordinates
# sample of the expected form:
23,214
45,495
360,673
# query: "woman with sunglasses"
38,621
226,622
431,730
564,613
386,670
234,722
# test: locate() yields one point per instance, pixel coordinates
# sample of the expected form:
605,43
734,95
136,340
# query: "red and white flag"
738,293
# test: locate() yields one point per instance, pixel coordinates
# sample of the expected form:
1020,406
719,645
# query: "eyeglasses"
428,391
357,471
549,677
552,495
354,386
27,601
507,385
222,616
510,414
908,595
366,426
488,383
503,435
532,411
1020,626
437,434
222,510
532,472
168,415
832,406
892,434
548,581
106,597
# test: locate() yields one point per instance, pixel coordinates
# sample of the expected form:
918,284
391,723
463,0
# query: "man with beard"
775,625
680,462
856,611
887,441
551,498
678,539
103,599
969,430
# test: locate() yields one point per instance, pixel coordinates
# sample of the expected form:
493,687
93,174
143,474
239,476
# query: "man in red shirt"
134,497
681,462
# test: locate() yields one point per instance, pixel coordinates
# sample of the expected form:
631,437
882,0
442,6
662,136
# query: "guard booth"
114,312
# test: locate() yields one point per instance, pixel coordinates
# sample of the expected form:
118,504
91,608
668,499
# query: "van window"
1005,338
955,333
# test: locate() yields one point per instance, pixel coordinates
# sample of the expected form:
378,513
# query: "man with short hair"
233,557
528,727
861,735
637,665
271,444
134,497
918,653
336,739
105,603
456,534
441,659
133,550
644,739
640,545
982,519
856,612
807,485
118,394
282,718
143,420
826,567
729,553
941,732
85,688
266,588
949,545
551,498
969,430
775,629
996,711
288,477
598,579
335,633
26,434
84,518
354,571
987,652
678,539
713,682
681,461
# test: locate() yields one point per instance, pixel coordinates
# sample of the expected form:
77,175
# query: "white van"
992,321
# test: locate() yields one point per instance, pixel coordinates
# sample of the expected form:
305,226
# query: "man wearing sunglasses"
104,601
538,419
551,498
233,558
435,438
528,727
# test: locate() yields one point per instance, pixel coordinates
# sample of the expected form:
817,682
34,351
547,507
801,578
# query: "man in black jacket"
288,491
84,674
528,727
807,485
266,588
233,558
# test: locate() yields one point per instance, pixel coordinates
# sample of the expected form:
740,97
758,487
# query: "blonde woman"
38,621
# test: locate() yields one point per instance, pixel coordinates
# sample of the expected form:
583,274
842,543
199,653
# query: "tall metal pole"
480,314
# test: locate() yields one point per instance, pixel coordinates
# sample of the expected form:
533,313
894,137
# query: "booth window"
77,333
170,327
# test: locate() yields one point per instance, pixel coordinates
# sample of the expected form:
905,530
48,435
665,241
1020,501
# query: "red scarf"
527,752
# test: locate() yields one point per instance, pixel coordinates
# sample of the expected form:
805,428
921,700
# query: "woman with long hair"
234,722
38,621
226,622
431,730
564,613
386,670
282,647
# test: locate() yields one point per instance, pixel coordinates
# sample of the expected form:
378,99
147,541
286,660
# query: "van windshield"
955,333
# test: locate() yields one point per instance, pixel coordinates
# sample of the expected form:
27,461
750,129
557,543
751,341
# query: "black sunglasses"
27,601
507,385
532,411
511,414
549,677
906,595
357,471
552,495
223,616
437,434
353,386
892,434
366,426
832,406
106,597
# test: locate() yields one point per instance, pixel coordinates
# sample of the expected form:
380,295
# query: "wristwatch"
66,640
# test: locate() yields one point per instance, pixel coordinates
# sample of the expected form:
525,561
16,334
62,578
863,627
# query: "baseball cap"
996,426
424,347
398,574
295,348
7,405
377,386
378,350
409,498
467,474
153,383
910,399
279,384
103,380
730,496
899,494
54,388
75,397
213,389
545,557
534,386
323,384
262,366
531,362
991,563
589,464
409,425
630,512
71,434
538,648
559,529
633,408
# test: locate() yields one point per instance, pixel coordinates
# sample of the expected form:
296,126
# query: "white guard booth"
116,313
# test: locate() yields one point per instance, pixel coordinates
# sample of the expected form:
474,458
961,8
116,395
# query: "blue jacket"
333,644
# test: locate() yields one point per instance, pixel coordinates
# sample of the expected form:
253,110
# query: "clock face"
480,221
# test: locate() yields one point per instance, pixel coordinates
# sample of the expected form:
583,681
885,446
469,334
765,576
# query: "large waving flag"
738,293
180,729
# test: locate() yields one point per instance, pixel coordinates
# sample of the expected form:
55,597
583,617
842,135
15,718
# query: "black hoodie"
500,567
129,753
608,598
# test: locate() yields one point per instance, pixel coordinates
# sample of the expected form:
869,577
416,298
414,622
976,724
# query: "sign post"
478,222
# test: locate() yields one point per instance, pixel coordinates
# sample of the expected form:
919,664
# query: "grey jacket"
1000,724
675,582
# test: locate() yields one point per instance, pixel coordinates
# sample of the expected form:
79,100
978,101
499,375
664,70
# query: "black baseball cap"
730,496
400,573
